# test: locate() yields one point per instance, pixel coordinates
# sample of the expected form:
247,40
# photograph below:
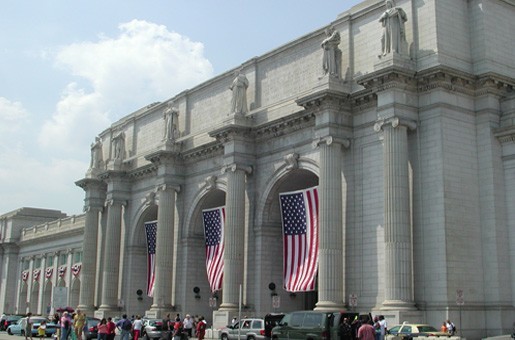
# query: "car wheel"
22,333
9,331
251,338
224,337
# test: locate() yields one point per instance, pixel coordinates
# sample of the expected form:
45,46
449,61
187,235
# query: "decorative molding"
283,126
235,167
395,122
292,161
210,182
330,140
203,152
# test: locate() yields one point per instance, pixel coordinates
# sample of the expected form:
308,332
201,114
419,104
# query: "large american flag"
299,212
150,232
214,220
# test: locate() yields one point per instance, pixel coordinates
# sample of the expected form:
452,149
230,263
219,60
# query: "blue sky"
70,68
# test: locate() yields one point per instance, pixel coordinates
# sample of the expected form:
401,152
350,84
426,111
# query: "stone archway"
22,298
34,297
75,292
46,298
195,254
269,243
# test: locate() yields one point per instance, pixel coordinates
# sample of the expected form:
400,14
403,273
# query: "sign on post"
460,299
276,301
60,298
353,300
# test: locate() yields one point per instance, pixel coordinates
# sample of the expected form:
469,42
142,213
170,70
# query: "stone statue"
96,153
394,33
119,146
171,117
239,94
332,54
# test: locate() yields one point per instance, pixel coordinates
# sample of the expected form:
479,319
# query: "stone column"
234,236
164,248
95,197
330,262
112,255
397,215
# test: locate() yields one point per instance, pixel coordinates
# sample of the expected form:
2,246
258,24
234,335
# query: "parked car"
90,328
410,330
7,320
19,327
313,325
152,329
249,329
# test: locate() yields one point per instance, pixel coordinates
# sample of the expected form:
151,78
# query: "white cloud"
12,117
145,63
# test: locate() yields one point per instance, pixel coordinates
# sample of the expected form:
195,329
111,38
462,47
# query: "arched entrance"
22,298
271,244
75,292
34,298
47,298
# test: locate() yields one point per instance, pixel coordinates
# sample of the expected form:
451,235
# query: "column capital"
331,140
93,208
235,167
395,122
167,187
112,201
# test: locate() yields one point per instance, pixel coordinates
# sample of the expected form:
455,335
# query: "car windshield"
423,329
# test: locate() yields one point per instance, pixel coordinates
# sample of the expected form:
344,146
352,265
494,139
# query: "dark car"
312,325
90,328
7,320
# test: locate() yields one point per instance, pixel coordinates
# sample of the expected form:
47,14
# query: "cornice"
505,135
285,125
205,151
389,77
327,98
230,131
143,171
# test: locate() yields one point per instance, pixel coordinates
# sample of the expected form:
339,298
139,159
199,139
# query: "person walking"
28,326
102,329
111,329
66,326
137,325
201,328
125,326
42,329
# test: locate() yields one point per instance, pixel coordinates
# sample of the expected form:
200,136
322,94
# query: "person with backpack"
125,327
451,329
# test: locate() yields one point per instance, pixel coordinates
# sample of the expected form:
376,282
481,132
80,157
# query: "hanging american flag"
299,212
151,233
214,220
48,272
25,275
35,274
76,269
61,271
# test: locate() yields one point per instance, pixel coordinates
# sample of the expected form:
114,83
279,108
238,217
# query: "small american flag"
299,212
61,271
214,220
150,232
48,272
76,269
25,275
35,274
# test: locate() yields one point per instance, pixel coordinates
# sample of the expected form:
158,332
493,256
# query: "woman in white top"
137,325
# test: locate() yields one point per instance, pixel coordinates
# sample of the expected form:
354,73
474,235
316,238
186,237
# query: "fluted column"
111,255
330,268
234,235
397,216
94,204
164,248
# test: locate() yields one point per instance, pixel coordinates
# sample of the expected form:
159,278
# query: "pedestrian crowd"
70,326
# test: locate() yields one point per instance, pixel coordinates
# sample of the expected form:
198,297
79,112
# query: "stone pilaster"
95,197
397,215
330,261
112,255
234,235
164,248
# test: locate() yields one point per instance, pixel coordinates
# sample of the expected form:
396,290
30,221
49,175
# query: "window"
37,263
296,319
49,260
62,259
77,257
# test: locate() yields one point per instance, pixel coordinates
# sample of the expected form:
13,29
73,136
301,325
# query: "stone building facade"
402,113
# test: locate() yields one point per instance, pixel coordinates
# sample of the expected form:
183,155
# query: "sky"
70,68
